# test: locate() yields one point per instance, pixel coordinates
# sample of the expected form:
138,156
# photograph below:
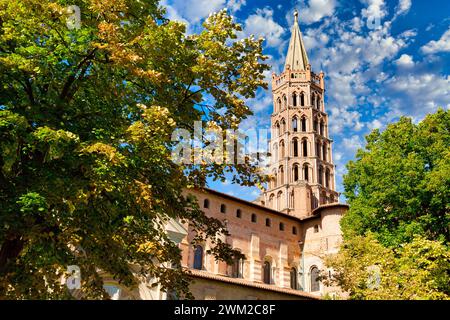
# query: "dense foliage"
399,185
398,189
86,116
365,269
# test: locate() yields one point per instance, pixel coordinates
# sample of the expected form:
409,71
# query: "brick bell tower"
301,162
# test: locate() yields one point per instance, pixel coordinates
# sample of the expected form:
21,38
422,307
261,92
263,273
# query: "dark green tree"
399,184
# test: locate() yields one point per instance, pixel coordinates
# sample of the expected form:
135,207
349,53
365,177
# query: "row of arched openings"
298,99
299,125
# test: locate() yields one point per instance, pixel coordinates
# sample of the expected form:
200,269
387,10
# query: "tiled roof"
247,283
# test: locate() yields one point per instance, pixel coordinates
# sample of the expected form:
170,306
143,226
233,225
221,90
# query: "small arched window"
324,152
306,172
282,149
295,172
305,148
253,218
283,126
281,226
321,128
295,147
313,100
294,230
278,105
302,99
284,101
279,195
223,208
238,213
266,272
320,174
281,175
268,222
315,282
206,203
318,149
315,125
327,178
198,258
294,99
293,278
294,124
303,124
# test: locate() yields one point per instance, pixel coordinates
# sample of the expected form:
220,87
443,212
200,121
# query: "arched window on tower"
315,125
284,102
304,124
306,172
327,178
282,149
281,175
293,275
277,128
295,173
315,284
321,128
305,147
295,147
318,149
313,100
266,272
320,175
198,258
279,204
271,201
283,126
324,152
294,99
294,124
278,105
318,101
302,99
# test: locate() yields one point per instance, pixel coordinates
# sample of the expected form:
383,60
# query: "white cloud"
405,61
316,10
402,8
261,24
236,5
417,95
375,9
353,143
194,11
442,45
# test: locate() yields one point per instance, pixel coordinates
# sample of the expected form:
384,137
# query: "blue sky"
375,73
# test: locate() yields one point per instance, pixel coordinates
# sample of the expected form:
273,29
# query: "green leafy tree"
399,184
366,269
86,117
398,189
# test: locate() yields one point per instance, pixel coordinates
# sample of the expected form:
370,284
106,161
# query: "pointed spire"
296,57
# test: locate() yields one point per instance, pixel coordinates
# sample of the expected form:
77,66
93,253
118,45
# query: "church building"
287,231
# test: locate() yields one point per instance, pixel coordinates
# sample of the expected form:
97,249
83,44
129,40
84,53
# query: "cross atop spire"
296,57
